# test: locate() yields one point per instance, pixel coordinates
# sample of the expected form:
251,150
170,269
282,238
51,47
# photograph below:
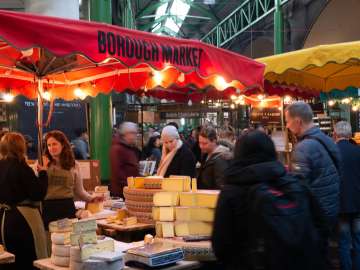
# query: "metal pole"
40,110
278,28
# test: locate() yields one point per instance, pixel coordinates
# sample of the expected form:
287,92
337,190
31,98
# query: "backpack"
286,214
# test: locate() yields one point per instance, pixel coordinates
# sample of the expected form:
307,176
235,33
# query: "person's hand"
98,198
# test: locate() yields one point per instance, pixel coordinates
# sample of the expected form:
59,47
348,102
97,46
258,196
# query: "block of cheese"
166,199
207,198
194,185
193,228
201,198
121,214
140,195
101,189
60,238
77,239
62,225
194,214
135,182
164,213
2,250
95,207
108,256
60,250
60,261
165,229
78,254
176,184
153,182
84,226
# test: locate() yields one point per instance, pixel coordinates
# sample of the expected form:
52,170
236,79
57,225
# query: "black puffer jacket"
236,237
183,163
312,161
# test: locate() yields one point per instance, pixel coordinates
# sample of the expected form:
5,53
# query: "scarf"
166,158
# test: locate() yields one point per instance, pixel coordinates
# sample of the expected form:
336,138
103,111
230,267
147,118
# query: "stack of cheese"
102,191
181,212
60,238
139,196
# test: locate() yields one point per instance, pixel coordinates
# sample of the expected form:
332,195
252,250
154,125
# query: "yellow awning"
322,68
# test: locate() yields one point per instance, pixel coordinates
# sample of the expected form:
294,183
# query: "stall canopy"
73,59
318,69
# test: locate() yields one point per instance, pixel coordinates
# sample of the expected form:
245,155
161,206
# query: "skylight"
179,9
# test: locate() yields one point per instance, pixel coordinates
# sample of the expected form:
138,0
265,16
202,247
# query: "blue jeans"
349,241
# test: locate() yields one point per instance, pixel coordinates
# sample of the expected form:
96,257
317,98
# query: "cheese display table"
123,233
45,264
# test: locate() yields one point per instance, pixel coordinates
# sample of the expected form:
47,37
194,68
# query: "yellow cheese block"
166,199
193,228
164,213
165,229
135,182
95,207
201,198
121,214
193,185
2,250
78,239
176,184
194,214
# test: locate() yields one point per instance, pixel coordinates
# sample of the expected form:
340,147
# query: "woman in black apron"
65,181
22,230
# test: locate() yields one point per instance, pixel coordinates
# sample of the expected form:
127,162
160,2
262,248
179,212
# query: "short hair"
209,133
302,110
13,145
343,129
127,126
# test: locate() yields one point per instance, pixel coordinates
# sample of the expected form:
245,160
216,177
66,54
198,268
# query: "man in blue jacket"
316,159
349,221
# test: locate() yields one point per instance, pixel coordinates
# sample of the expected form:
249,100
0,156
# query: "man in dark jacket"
124,157
349,222
215,160
316,159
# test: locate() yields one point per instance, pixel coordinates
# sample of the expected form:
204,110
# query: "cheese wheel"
75,254
143,217
139,195
61,250
60,238
139,206
60,261
76,265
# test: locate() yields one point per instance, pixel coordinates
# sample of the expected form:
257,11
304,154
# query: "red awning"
96,57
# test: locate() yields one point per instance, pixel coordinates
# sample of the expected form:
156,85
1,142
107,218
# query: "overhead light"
287,99
233,97
261,97
262,103
202,102
280,108
209,2
232,106
79,93
331,103
190,102
355,108
220,82
8,97
181,77
346,100
157,77
182,121
46,95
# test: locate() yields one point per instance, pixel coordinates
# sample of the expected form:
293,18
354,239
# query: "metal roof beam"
246,15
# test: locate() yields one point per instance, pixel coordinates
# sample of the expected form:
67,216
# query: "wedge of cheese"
193,228
95,207
84,226
164,213
78,254
77,239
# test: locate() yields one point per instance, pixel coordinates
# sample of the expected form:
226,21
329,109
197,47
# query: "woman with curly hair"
65,181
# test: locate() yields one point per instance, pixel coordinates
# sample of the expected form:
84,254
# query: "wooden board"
45,264
121,228
7,257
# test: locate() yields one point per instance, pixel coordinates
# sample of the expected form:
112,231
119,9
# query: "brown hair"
209,133
67,159
13,145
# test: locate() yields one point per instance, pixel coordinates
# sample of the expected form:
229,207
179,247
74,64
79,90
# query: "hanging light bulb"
346,101
8,97
355,108
232,106
287,99
260,97
157,77
46,95
190,102
331,103
181,77
233,97
79,93
220,82
202,102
